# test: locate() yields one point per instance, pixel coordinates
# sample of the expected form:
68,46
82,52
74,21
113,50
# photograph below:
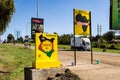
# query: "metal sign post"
91,39
74,37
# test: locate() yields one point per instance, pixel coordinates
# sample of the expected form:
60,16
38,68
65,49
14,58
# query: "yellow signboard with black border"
46,53
81,22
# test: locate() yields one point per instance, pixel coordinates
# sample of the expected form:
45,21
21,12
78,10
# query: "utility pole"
99,30
37,8
26,27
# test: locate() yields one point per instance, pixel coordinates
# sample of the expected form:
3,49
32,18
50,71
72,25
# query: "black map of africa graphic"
82,19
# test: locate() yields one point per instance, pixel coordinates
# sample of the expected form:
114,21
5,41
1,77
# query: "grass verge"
13,60
94,49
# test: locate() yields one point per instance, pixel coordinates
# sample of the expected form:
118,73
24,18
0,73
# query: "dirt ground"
108,69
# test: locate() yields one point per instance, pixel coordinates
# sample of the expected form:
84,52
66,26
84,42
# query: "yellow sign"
46,51
81,22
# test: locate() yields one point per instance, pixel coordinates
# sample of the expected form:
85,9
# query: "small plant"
104,50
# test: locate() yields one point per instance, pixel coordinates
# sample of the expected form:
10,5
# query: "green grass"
32,44
94,49
64,47
13,60
107,50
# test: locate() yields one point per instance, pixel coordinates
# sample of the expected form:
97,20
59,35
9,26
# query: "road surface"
108,69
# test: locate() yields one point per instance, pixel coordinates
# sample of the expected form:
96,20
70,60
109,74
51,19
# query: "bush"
94,44
112,46
104,50
103,46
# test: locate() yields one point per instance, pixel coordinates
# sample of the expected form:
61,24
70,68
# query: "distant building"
116,40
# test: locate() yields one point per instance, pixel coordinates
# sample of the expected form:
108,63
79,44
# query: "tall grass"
13,60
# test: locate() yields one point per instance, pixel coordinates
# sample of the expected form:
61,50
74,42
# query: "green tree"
10,38
7,9
20,40
95,38
109,36
64,39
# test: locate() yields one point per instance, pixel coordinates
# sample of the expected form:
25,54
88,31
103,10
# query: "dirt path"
108,69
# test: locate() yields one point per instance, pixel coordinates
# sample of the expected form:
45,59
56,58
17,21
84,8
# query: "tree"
95,38
64,39
109,36
7,9
20,40
10,38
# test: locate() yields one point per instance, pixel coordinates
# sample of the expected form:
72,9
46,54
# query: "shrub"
112,46
94,44
104,50
103,46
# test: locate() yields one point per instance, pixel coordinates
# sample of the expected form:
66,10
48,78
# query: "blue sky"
57,15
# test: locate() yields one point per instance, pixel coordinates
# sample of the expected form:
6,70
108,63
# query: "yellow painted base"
46,64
